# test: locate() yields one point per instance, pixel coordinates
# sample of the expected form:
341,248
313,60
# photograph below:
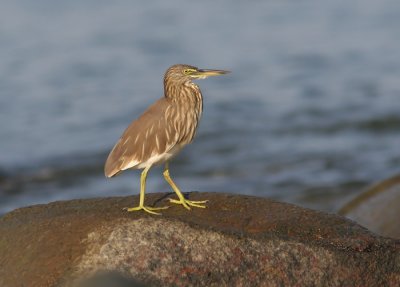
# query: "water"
310,114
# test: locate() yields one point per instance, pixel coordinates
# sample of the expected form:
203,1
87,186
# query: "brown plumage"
164,128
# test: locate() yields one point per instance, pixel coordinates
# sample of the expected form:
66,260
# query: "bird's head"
185,73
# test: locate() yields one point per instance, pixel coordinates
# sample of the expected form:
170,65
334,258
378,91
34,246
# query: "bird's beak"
202,74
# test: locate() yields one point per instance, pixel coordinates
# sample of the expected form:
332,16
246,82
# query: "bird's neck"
187,92
187,97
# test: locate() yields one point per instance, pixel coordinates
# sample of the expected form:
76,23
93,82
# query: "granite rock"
237,241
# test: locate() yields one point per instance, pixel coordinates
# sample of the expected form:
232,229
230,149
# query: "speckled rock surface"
236,241
378,208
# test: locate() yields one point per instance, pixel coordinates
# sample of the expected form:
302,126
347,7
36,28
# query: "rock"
378,208
236,241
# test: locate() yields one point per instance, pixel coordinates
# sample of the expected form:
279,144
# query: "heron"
161,132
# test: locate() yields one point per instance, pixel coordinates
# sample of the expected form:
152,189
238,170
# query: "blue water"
309,114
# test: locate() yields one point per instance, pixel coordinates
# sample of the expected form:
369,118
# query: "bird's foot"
146,209
188,203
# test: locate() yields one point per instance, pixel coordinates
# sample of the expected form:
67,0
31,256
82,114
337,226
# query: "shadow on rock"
110,279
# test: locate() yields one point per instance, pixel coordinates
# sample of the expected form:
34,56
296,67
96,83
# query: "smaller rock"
377,208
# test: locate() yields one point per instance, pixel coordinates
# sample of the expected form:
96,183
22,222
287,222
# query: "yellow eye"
188,71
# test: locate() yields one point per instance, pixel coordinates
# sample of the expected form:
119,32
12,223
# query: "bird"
161,132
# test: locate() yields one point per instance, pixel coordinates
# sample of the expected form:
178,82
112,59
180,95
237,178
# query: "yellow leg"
182,200
142,191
